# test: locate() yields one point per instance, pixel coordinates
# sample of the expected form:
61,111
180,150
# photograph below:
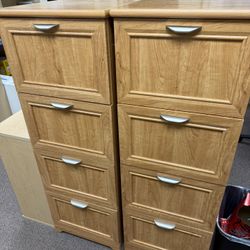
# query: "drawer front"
203,147
188,201
70,60
84,127
142,232
84,219
204,71
68,174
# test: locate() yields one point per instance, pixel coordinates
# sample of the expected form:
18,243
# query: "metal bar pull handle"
78,204
163,224
71,161
46,27
184,30
61,105
168,180
174,119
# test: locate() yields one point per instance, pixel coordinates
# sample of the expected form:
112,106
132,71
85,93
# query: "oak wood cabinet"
205,72
142,233
85,219
93,183
63,123
183,88
201,148
64,75
191,202
178,74
71,61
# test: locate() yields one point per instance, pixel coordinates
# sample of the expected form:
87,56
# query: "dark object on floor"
222,241
234,224
244,137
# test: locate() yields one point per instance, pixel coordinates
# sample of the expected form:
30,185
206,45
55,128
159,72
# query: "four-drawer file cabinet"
62,70
131,114
181,98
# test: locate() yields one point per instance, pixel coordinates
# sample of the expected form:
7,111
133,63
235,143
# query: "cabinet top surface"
65,9
14,126
225,9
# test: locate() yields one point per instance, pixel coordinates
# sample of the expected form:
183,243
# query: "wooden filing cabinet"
71,61
200,148
91,222
190,202
62,70
142,233
182,93
95,183
182,88
54,123
205,72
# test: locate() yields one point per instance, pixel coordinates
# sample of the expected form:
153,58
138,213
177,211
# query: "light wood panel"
70,61
94,184
65,9
85,127
15,127
158,68
20,164
227,9
202,148
190,202
92,222
141,233
209,9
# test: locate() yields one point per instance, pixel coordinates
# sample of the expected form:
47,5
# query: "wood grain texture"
204,77
227,9
21,167
71,62
95,223
158,68
86,127
202,148
65,9
141,233
92,183
210,9
190,202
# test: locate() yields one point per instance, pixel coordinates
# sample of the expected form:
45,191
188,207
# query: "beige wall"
6,3
5,111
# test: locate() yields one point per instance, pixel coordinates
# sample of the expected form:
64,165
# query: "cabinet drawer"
68,174
63,123
85,220
142,232
204,71
188,201
70,60
203,147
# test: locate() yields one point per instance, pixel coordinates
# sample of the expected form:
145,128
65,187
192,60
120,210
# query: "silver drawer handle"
184,30
61,105
168,180
71,161
163,224
174,119
45,27
78,204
